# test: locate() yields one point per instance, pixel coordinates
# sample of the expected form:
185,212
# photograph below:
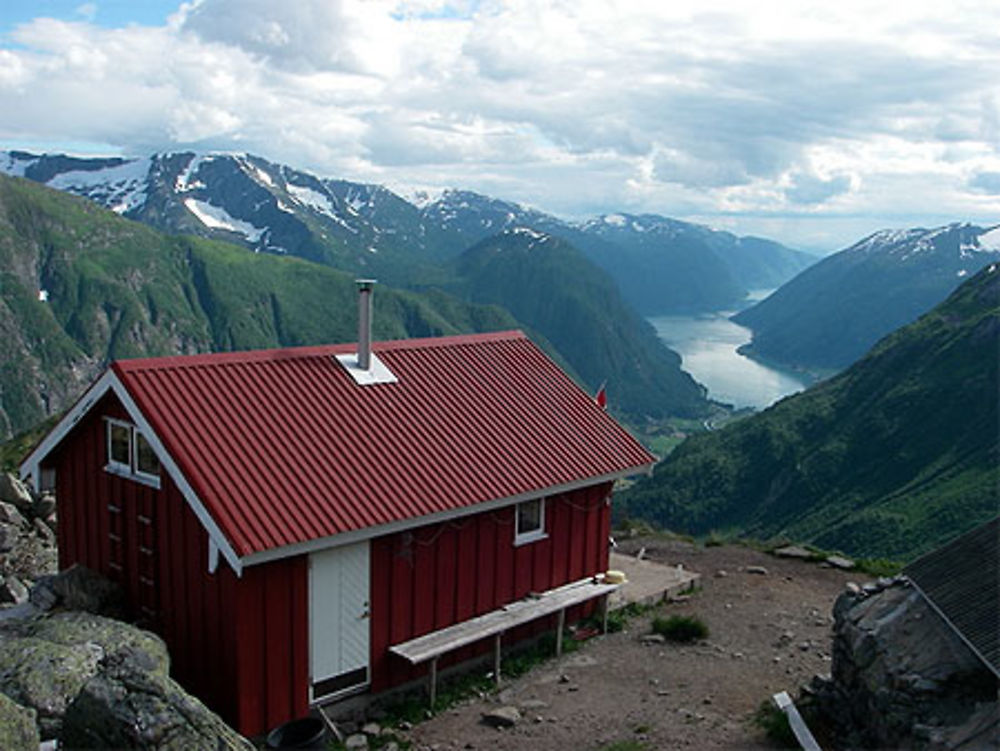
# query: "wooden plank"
802,734
496,622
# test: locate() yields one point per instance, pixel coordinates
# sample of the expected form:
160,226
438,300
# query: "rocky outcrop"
27,539
92,681
901,678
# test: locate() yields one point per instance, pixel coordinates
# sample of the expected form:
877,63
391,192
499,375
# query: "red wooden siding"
239,644
434,576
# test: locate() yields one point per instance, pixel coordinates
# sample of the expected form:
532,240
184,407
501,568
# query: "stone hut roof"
961,581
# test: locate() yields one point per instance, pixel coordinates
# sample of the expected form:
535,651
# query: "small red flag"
601,397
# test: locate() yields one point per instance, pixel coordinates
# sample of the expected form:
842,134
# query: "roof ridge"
306,351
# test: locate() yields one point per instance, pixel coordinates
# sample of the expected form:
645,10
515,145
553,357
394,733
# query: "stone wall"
901,678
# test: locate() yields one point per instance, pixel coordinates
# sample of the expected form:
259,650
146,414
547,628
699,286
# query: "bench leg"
496,658
434,681
559,631
604,613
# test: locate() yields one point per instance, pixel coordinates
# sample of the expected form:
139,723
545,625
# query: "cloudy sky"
811,123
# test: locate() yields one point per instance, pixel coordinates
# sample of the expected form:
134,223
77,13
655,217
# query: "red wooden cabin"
283,517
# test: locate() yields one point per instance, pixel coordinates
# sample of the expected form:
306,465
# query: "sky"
811,123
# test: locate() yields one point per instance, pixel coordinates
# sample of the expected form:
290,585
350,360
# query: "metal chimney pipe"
365,287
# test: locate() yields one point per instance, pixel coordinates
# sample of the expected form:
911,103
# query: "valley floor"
768,632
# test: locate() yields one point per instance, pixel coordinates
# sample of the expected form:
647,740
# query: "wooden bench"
431,646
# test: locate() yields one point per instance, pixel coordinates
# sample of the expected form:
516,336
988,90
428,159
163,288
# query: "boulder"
46,677
18,731
12,490
79,588
45,663
125,706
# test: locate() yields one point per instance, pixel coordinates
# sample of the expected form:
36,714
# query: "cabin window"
130,454
119,446
530,521
146,462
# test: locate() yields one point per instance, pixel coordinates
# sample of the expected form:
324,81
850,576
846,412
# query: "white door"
339,619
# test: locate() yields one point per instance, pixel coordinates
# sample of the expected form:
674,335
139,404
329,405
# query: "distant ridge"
661,265
828,316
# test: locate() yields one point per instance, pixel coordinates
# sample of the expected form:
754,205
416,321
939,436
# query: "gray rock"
12,590
652,639
44,506
44,532
502,717
793,551
12,490
356,742
126,706
533,704
79,588
759,570
18,731
371,728
10,515
8,537
839,561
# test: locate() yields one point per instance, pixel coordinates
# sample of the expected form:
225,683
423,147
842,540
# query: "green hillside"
118,289
550,286
891,458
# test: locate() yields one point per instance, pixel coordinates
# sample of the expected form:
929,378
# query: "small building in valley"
284,518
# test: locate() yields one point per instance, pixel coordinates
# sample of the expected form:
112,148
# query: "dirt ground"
768,632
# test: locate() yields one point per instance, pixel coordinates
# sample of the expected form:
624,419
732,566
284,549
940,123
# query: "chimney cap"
365,285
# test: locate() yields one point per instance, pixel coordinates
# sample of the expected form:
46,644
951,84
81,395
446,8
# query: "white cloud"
799,112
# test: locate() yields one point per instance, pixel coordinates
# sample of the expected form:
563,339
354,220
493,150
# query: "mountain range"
833,312
892,457
661,265
83,285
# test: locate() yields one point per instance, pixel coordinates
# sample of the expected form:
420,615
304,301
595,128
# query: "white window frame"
131,469
531,535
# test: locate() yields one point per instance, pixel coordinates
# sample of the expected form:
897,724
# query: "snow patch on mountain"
990,240
313,199
254,171
615,220
186,180
215,217
121,188
14,165
419,196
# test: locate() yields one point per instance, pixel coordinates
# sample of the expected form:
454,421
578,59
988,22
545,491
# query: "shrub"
775,725
680,628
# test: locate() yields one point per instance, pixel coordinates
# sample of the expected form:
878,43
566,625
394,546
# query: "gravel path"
768,632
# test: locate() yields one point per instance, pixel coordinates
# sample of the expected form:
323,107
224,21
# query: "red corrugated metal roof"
283,447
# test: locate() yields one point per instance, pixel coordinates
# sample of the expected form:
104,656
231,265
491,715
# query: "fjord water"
707,344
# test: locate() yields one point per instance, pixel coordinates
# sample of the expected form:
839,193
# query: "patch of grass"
619,619
878,566
630,745
680,628
775,725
